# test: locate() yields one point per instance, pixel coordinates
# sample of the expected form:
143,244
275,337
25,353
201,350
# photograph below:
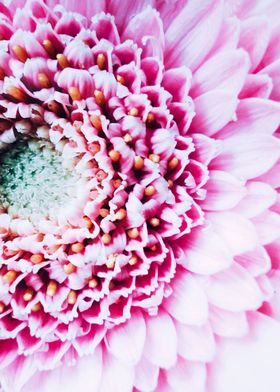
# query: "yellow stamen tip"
120,214
99,97
114,155
101,61
37,258
74,93
10,276
49,47
173,163
69,268
138,163
127,138
43,80
106,239
52,288
121,79
133,233
155,222
96,122
62,60
154,157
28,294
78,247
133,260
93,282
150,190
72,297
20,53
133,112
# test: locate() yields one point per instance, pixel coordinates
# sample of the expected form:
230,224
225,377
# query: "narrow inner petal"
33,181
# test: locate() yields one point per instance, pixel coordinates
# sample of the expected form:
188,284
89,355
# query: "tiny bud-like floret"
154,157
36,307
106,238
28,294
133,112
92,283
10,277
133,260
101,61
133,233
96,122
138,163
121,79
74,93
173,163
37,258
127,138
150,190
16,93
43,80
78,247
49,47
155,222
69,268
20,53
62,61
114,155
72,297
110,263
52,288
99,97
2,307
120,214
87,222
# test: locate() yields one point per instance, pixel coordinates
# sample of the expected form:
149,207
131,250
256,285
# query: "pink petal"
256,262
263,116
267,226
259,86
234,290
177,81
115,375
237,232
248,156
273,70
204,252
161,348
214,110
260,197
145,23
188,302
187,376
146,375
228,324
126,11
249,38
249,364
195,343
224,191
84,376
226,70
192,33
126,341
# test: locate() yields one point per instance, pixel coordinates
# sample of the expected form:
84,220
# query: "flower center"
33,181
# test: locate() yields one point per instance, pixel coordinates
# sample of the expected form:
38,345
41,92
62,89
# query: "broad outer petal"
249,364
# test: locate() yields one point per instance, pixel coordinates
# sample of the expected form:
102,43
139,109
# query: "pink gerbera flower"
139,216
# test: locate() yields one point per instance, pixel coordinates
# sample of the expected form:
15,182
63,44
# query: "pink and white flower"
139,185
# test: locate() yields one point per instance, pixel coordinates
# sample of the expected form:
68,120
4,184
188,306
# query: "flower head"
138,151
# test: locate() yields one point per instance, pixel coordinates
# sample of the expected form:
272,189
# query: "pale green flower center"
33,181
